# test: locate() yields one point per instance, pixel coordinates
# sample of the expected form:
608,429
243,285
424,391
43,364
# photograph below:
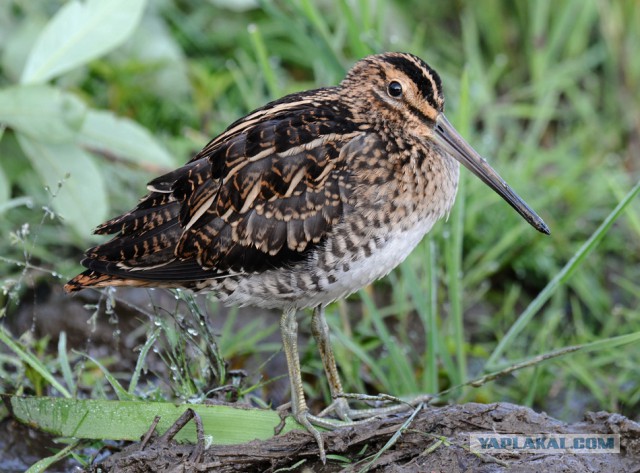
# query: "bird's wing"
259,196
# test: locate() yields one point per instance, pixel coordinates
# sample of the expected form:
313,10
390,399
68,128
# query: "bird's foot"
348,417
306,420
310,422
340,406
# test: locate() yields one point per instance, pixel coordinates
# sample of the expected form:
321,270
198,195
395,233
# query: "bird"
301,203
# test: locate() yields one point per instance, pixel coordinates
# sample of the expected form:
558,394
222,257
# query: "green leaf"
122,137
18,44
78,33
130,420
75,180
42,112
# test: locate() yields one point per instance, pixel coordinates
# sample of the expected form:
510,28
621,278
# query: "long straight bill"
449,139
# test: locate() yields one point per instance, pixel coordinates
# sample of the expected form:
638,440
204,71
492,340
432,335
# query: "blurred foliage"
548,91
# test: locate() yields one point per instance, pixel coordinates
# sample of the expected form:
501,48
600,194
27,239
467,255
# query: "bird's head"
402,92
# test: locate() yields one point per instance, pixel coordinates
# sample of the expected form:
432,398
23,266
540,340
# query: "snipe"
302,202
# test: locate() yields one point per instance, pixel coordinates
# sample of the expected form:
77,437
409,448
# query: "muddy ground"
436,439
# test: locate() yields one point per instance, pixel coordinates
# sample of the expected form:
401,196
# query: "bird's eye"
394,89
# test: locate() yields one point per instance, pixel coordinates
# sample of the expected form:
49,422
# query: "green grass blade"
611,342
263,59
431,322
632,216
392,441
401,378
355,29
425,303
45,463
319,23
122,393
560,278
141,359
63,360
363,356
32,361
453,245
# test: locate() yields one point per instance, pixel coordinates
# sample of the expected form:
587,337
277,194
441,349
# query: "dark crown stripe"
422,75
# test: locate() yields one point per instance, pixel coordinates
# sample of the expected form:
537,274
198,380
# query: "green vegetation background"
547,91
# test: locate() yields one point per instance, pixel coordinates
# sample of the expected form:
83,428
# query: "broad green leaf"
18,44
73,178
41,112
122,137
130,420
78,33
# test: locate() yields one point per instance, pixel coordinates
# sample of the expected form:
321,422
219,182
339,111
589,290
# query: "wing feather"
259,196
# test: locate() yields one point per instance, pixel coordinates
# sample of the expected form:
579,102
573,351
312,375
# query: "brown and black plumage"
302,202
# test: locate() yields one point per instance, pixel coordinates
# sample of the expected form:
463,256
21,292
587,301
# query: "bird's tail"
91,278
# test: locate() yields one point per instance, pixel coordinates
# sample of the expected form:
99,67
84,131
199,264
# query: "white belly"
308,285
367,270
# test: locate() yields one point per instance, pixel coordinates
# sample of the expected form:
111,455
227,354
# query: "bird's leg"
299,409
340,404
320,331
